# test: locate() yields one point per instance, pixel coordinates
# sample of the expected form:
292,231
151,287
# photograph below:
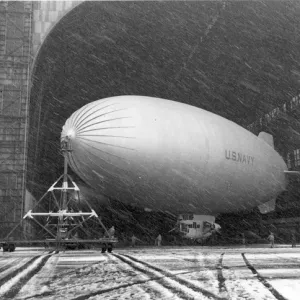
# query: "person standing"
293,240
271,238
158,240
133,240
243,239
111,232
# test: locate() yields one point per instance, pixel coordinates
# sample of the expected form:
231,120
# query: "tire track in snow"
240,282
221,279
104,291
180,286
37,286
9,264
209,274
16,271
275,293
11,284
147,284
155,287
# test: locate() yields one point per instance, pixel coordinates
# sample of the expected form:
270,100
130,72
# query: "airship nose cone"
101,139
100,128
71,133
68,132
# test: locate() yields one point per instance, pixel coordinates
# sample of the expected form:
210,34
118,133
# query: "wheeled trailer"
63,220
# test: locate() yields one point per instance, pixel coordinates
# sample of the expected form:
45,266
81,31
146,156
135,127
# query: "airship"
173,157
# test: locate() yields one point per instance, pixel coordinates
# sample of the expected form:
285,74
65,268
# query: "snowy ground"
152,273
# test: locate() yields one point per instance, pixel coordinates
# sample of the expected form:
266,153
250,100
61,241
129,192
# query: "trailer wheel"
109,248
81,246
11,247
72,246
103,249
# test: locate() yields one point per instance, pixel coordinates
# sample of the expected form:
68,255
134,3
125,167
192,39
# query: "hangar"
238,60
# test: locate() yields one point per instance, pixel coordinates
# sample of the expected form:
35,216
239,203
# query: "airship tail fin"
297,173
267,207
268,138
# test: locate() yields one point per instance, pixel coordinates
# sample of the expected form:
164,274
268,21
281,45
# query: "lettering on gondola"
239,157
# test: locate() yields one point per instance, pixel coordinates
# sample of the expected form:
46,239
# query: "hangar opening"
238,61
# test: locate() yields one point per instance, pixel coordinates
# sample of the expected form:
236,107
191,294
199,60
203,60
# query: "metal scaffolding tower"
15,61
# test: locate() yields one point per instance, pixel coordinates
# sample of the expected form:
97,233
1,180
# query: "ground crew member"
271,239
243,239
293,240
133,240
158,240
111,232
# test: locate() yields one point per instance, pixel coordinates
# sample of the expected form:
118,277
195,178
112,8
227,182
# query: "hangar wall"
15,56
46,14
23,28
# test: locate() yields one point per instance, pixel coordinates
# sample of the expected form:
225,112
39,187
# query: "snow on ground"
289,288
10,264
240,282
281,270
199,268
10,283
104,276
39,279
7,262
168,273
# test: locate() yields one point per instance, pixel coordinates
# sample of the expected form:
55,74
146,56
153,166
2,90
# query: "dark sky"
238,60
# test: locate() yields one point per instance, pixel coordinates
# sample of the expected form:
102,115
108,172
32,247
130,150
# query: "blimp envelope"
166,155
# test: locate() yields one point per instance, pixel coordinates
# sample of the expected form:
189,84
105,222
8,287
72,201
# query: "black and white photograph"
150,150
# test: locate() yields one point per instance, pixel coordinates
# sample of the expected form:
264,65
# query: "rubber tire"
81,246
5,248
11,247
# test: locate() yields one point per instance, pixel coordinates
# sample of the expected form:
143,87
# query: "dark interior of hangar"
239,60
